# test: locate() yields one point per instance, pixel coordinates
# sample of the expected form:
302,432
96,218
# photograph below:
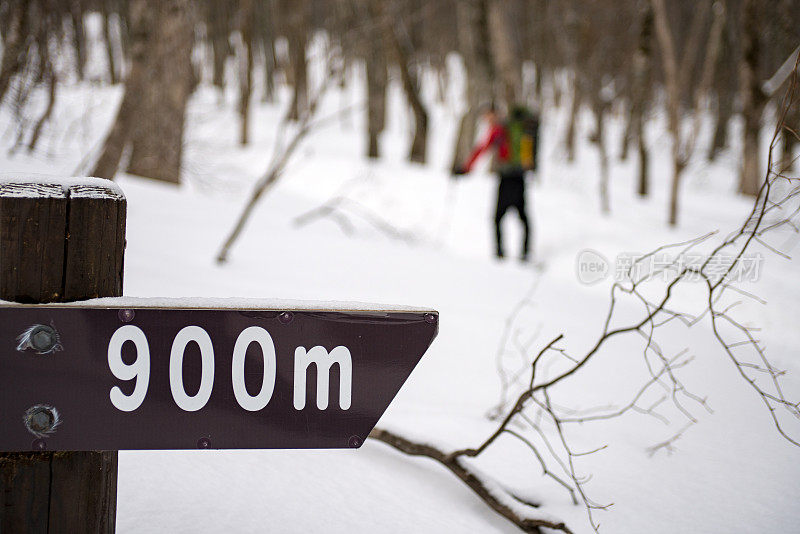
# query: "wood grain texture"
32,232
59,244
95,244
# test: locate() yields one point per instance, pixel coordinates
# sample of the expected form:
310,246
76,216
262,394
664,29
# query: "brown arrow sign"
114,378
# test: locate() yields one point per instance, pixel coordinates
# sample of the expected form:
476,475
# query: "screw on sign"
41,338
41,421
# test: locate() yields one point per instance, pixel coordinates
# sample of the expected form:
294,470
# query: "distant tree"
246,20
76,12
20,22
110,48
677,73
296,28
217,17
753,98
377,79
400,47
160,79
505,52
726,84
471,20
265,28
640,93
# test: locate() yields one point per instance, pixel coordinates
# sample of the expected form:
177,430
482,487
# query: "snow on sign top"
49,186
222,303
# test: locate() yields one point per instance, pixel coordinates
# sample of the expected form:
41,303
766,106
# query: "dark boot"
526,233
498,235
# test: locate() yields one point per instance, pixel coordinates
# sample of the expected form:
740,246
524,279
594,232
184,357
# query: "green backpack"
523,137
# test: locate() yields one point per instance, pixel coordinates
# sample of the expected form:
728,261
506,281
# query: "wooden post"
60,242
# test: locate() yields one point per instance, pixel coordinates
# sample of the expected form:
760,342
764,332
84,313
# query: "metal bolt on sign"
41,338
41,420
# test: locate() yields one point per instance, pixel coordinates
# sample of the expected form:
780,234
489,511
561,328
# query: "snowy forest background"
311,144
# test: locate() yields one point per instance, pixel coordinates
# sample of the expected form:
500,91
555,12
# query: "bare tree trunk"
753,98
78,37
110,55
124,21
265,11
644,159
440,75
467,127
673,89
246,21
790,132
295,15
419,149
575,107
52,82
473,29
726,85
141,35
790,140
676,75
674,193
218,24
377,81
557,89
598,138
398,43
157,88
538,84
627,133
14,43
157,138
723,118
375,61
788,149
642,73
504,50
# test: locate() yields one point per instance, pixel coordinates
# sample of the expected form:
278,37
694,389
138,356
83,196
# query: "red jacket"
498,138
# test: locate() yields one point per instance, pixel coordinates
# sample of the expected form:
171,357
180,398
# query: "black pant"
511,194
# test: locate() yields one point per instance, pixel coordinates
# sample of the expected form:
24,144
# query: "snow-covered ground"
731,472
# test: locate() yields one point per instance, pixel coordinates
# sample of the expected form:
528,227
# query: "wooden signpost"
59,241
116,373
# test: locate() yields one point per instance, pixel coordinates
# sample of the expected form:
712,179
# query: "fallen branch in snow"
718,273
337,207
507,380
280,158
668,444
481,487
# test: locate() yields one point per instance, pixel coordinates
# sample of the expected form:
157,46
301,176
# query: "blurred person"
514,144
